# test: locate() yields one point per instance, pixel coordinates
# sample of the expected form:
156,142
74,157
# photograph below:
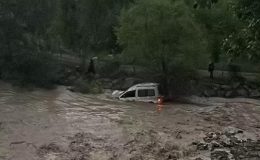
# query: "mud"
61,125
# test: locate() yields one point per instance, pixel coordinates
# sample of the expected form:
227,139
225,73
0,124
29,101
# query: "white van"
145,92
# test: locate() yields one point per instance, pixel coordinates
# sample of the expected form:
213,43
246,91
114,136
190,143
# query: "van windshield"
128,94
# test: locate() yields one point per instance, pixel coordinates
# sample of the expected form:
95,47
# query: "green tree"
87,27
24,31
160,35
217,22
246,42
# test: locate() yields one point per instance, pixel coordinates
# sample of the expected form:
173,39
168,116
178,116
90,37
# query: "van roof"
143,85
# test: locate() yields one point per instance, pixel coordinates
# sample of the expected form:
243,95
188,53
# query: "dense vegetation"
169,38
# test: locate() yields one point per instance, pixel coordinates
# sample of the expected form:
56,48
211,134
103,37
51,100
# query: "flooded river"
61,125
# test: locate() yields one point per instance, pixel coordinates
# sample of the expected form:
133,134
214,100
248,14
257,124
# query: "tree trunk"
165,84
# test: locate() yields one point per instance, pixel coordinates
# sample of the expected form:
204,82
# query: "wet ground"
61,125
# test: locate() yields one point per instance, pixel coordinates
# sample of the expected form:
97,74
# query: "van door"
146,95
128,96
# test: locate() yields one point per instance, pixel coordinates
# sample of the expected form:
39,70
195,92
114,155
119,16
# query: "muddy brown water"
61,125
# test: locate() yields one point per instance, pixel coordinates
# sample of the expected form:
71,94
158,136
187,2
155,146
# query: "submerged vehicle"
144,92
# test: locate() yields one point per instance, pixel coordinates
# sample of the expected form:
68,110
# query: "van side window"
146,93
129,94
150,93
142,93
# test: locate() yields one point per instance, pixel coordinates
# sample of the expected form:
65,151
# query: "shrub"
88,86
37,69
108,67
234,72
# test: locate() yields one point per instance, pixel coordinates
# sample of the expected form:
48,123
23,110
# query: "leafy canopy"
159,33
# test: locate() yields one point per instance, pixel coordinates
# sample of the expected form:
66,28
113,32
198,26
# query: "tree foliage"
246,42
88,24
159,32
160,35
217,23
24,36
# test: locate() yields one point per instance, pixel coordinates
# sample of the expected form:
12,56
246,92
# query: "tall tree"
24,34
160,34
247,41
217,22
87,27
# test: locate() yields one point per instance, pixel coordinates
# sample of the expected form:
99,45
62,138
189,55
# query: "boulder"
210,93
230,94
225,141
247,87
225,87
219,155
221,93
117,84
213,145
235,85
254,94
242,92
106,83
202,146
231,131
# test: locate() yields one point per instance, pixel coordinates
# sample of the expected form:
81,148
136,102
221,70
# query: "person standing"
91,68
211,69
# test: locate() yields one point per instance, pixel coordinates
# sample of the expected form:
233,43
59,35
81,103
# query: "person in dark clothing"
211,70
91,68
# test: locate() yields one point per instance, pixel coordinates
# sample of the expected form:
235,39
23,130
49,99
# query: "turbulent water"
61,125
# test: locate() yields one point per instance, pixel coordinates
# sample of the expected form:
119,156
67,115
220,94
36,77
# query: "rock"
230,94
210,93
213,145
173,156
242,92
246,87
229,131
178,136
195,143
136,157
117,84
225,141
71,79
221,93
240,131
236,85
106,83
254,94
167,147
50,148
72,89
225,87
219,155
202,146
211,136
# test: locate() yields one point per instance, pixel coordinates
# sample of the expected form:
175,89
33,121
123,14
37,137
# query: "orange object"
160,100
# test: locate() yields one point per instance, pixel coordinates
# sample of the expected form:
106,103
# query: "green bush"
108,67
88,86
178,80
37,69
234,73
